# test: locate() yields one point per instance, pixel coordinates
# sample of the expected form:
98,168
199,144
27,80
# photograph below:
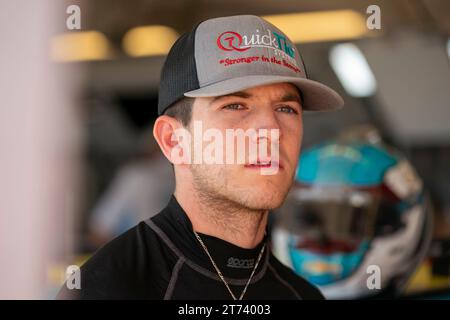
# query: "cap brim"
316,96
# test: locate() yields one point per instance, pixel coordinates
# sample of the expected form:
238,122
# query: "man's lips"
264,164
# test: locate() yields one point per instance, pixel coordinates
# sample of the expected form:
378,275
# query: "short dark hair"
181,110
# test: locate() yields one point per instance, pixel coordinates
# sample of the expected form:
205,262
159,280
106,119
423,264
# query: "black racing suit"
161,258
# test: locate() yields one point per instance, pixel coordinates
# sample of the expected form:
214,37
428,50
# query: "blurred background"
79,87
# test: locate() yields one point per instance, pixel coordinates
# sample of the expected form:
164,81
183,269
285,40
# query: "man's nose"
266,124
265,118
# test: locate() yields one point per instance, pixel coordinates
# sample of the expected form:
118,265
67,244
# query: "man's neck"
224,219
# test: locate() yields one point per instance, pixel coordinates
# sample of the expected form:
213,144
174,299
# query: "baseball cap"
228,54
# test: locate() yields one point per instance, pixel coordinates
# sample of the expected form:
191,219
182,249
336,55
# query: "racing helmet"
356,221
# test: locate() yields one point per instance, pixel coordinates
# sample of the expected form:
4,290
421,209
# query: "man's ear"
171,137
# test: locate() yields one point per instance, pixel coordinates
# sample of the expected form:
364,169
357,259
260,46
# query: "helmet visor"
329,219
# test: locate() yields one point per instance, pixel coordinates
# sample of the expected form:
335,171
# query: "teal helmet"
356,204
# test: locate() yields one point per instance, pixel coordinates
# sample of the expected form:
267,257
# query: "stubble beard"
214,190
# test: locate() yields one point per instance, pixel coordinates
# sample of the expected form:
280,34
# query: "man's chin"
264,194
261,200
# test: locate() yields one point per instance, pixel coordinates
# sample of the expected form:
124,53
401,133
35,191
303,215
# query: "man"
231,73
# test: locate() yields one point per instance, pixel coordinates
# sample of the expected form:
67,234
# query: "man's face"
275,106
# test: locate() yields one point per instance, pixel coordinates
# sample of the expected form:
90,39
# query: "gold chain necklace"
220,273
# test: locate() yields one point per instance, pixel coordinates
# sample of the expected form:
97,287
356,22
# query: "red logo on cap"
227,41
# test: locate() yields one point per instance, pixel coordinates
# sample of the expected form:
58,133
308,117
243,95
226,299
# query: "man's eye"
287,109
234,106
